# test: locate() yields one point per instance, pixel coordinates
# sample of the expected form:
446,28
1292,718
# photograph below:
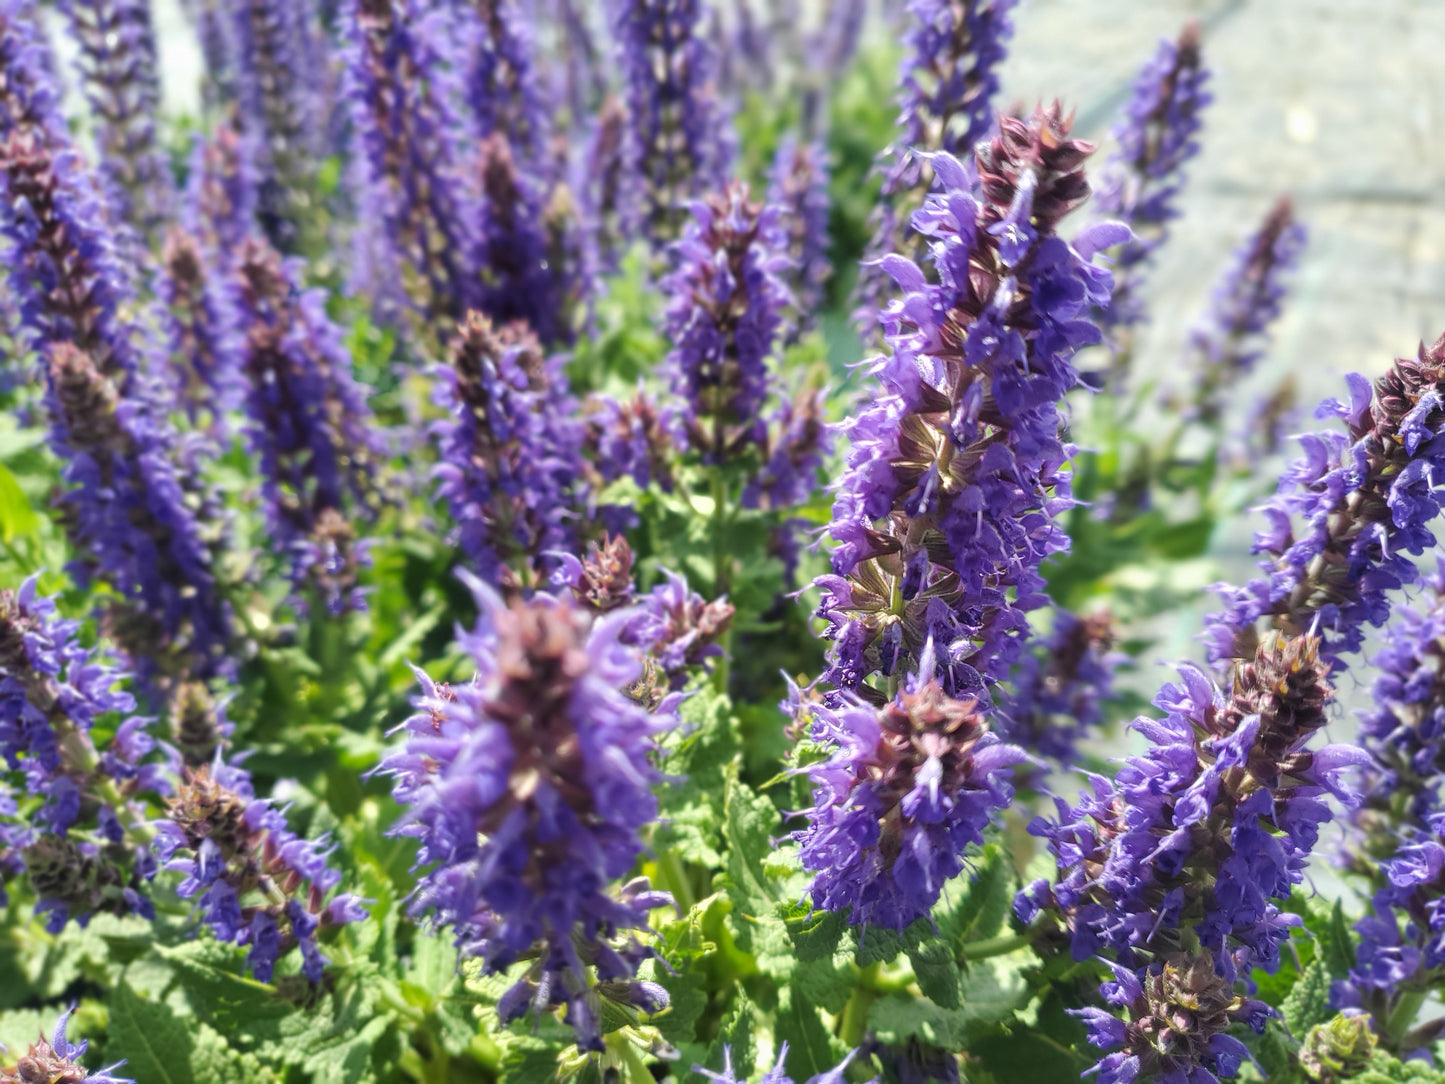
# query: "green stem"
854,1020
675,880
995,946
721,566
637,1071
1402,1016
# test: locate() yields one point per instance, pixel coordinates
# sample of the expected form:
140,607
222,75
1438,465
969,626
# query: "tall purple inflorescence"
57,1059
799,188
946,87
204,348
309,424
417,243
955,473
1226,345
1349,516
724,315
509,449
116,56
1144,881
528,788
500,83
52,691
1158,134
126,508
677,148
908,788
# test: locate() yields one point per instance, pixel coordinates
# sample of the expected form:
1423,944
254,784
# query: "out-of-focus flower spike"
221,193
523,827
1349,518
799,443
417,244
116,57
1158,133
1228,342
205,351
799,188
602,185
501,83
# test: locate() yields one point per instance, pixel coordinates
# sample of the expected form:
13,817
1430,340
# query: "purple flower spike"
1144,881
1349,516
946,88
726,300
799,187
501,85
946,508
57,1059
417,245
1140,184
116,56
677,145
908,788
221,193
1060,687
510,464
254,881
528,788
1228,342
309,424
205,351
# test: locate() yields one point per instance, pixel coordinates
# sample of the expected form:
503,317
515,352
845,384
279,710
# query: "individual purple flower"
1158,133
308,423
1144,881
946,86
799,187
509,448
1349,516
907,789
116,57
528,788
677,146
1060,687
57,1059
417,242
956,470
278,88
254,880
775,1075
725,304
1226,345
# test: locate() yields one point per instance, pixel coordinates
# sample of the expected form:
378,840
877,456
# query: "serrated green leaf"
1308,1002
153,1040
735,1040
17,518
977,909
815,935
812,1047
937,972
748,826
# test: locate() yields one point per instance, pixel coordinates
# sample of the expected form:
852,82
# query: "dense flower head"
1338,1049
725,309
1179,1009
501,82
1157,134
527,788
908,787
956,470
602,187
1228,343
1197,840
799,187
1060,687
1349,517
308,423
509,447
198,725
116,56
629,438
204,347
219,207
799,443
677,147
254,880
417,244
57,1061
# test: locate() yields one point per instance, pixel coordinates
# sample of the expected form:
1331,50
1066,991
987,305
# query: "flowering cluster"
776,1074
116,55
52,690
1060,687
1158,134
527,788
798,186
908,787
1142,873
308,424
204,347
946,87
509,447
955,472
57,1060
725,312
1230,339
1363,501
219,208
501,83
257,883
798,443
675,148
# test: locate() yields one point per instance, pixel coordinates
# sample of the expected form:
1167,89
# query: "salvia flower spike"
57,1061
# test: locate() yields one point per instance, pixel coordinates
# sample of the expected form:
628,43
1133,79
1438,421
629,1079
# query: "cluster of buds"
57,1061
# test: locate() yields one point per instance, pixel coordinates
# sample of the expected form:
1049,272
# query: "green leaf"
1308,1002
816,935
937,972
748,828
812,1047
684,947
981,909
736,1037
17,518
691,810
1338,950
153,1040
